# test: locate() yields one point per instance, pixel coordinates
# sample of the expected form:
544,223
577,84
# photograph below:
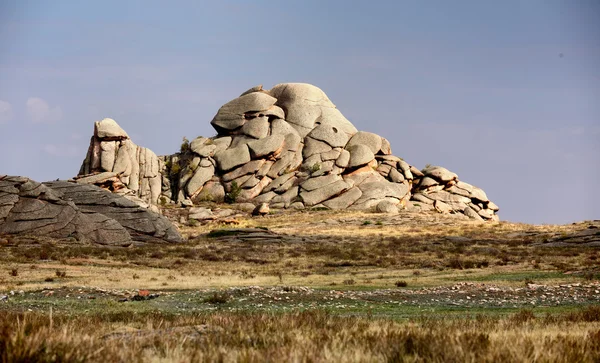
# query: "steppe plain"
309,286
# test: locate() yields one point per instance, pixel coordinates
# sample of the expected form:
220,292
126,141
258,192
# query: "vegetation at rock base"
234,193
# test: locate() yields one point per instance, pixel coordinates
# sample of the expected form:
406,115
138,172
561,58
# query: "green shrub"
401,283
185,145
233,194
217,298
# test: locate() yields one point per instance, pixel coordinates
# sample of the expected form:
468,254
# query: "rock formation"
116,163
289,147
87,213
142,224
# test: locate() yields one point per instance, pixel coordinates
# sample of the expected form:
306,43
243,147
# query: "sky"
504,93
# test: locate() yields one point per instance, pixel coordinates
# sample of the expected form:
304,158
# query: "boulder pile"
288,147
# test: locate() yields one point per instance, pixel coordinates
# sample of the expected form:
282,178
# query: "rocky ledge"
85,213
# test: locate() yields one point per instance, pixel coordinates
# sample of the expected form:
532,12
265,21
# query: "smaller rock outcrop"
114,162
86,213
30,208
440,188
142,224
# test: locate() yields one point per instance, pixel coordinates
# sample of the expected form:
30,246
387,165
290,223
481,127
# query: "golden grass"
297,337
323,249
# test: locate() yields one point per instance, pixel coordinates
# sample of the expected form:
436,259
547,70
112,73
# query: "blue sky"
505,94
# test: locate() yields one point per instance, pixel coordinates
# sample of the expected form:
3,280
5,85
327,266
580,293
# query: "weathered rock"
479,195
386,148
343,160
297,205
427,182
200,177
251,182
312,147
250,167
286,198
293,142
30,208
369,139
258,88
416,172
287,185
439,173
232,114
107,155
257,127
321,194
366,174
264,137
330,135
201,214
381,190
469,212
360,154
249,194
230,158
345,200
278,182
203,146
486,213
493,206
283,165
325,167
141,224
212,191
319,182
420,197
306,106
331,155
261,210
265,197
384,169
386,206
396,176
441,206
108,129
266,146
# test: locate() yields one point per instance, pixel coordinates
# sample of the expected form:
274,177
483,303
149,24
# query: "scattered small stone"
261,210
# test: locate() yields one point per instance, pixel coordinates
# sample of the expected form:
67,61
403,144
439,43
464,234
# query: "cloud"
6,112
38,111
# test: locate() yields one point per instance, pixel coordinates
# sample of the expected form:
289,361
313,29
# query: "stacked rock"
289,147
440,188
116,163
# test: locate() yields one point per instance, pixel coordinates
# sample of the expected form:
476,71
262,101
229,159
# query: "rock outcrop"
85,213
114,162
288,147
142,224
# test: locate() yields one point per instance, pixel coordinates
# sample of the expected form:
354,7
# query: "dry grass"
298,337
320,250
325,248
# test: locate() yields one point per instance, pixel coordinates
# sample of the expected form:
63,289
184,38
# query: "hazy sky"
504,93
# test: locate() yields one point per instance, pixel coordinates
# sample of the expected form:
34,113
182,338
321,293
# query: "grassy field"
319,286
